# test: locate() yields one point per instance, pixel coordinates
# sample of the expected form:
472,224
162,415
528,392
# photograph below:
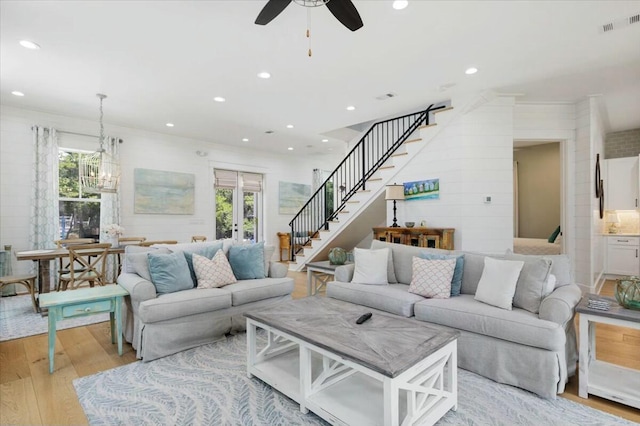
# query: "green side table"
83,302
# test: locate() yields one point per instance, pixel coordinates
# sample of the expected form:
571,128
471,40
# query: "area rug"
17,319
208,385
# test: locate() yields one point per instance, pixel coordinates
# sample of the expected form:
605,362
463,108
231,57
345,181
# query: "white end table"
610,381
319,274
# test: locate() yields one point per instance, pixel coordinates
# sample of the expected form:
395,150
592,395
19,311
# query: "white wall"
142,149
472,157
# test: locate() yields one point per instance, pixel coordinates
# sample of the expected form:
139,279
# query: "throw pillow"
456,281
550,285
497,284
209,251
432,277
554,235
391,273
531,283
212,273
169,272
247,261
560,265
137,260
370,266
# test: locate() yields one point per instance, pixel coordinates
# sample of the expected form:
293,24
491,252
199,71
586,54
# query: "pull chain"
308,30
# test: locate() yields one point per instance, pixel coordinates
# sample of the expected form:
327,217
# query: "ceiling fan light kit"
343,10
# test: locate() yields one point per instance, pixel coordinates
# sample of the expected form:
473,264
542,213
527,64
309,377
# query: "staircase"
351,201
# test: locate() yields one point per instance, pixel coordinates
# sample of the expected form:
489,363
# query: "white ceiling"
165,61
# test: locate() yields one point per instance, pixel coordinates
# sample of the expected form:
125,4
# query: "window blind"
226,179
251,182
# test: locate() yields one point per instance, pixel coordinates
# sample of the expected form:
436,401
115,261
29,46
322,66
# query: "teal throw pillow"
169,272
247,261
456,281
552,237
208,252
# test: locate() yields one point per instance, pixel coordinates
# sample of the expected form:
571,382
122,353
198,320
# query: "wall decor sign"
160,192
292,196
422,189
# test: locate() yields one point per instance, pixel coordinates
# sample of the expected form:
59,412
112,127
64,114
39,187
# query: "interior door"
238,205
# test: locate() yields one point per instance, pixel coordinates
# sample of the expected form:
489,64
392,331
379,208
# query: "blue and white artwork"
160,192
422,189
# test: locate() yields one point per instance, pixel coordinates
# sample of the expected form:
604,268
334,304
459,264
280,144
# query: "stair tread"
413,140
424,126
443,109
373,179
387,167
343,211
400,154
353,201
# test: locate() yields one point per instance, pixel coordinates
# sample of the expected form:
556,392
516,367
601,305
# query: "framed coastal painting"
160,192
422,189
292,196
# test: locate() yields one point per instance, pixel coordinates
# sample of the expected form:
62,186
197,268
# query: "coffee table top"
615,310
386,343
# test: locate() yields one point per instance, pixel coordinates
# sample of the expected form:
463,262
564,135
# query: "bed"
538,246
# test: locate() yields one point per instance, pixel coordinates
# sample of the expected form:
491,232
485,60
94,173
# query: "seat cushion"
247,291
184,303
392,298
517,326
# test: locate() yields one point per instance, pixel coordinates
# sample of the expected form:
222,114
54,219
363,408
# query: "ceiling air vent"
269,132
386,96
620,23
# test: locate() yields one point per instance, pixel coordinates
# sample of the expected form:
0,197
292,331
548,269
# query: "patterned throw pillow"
432,278
213,273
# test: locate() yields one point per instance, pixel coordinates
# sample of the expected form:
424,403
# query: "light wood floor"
29,395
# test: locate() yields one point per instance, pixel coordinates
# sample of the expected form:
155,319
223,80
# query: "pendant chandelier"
100,171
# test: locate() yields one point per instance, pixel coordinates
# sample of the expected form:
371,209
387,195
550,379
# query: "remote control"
364,318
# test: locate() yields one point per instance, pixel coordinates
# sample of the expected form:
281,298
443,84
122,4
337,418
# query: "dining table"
45,256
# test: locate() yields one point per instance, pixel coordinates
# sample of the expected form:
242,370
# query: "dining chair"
28,281
131,241
63,262
198,239
150,243
88,263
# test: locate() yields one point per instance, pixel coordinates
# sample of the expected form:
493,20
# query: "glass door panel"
224,213
238,218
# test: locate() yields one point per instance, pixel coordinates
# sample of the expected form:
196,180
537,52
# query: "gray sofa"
161,325
533,351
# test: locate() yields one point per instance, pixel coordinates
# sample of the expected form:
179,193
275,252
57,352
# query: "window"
79,213
238,205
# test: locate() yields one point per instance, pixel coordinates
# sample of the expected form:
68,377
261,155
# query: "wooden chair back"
198,239
150,243
131,241
63,262
88,263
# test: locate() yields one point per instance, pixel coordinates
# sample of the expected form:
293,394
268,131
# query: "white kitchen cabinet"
622,182
622,255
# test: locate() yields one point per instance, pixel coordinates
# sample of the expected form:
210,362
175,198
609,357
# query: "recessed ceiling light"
16,93
219,99
350,108
169,124
400,4
290,148
264,74
325,140
471,70
29,44
289,126
245,139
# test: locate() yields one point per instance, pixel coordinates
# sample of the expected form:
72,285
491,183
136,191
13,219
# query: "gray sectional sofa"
158,325
533,351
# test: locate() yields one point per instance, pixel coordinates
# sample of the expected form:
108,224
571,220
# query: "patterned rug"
208,385
17,319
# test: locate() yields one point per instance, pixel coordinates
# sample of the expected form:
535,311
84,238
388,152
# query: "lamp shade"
394,192
613,218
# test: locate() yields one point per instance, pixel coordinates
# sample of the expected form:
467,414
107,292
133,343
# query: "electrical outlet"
487,199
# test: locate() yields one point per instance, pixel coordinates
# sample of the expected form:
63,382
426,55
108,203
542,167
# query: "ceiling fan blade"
272,9
346,13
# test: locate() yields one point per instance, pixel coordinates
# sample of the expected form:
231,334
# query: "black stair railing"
351,175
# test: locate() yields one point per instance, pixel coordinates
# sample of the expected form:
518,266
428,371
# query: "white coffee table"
389,370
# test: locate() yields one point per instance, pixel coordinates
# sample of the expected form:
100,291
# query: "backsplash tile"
629,221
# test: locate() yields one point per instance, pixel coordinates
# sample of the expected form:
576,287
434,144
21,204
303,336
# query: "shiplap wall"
142,149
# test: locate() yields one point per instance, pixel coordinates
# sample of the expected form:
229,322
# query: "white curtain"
516,213
44,226
110,206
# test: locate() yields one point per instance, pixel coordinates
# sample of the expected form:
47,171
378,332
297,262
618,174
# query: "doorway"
238,198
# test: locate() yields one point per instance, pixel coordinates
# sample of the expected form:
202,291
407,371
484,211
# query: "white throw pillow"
370,266
213,273
498,282
549,285
432,277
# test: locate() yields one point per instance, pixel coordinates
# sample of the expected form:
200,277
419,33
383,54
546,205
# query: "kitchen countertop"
621,235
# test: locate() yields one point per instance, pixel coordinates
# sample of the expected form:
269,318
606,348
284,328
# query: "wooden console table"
441,238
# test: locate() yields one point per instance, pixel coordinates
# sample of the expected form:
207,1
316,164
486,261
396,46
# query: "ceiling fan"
343,10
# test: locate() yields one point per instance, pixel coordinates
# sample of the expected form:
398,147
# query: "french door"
238,205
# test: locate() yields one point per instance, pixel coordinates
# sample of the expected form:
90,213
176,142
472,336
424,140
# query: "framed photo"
422,189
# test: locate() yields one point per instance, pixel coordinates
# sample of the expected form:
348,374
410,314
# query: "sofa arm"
560,305
344,273
139,289
278,270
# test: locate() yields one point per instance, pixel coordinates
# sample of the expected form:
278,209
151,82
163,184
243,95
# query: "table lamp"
394,192
613,219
